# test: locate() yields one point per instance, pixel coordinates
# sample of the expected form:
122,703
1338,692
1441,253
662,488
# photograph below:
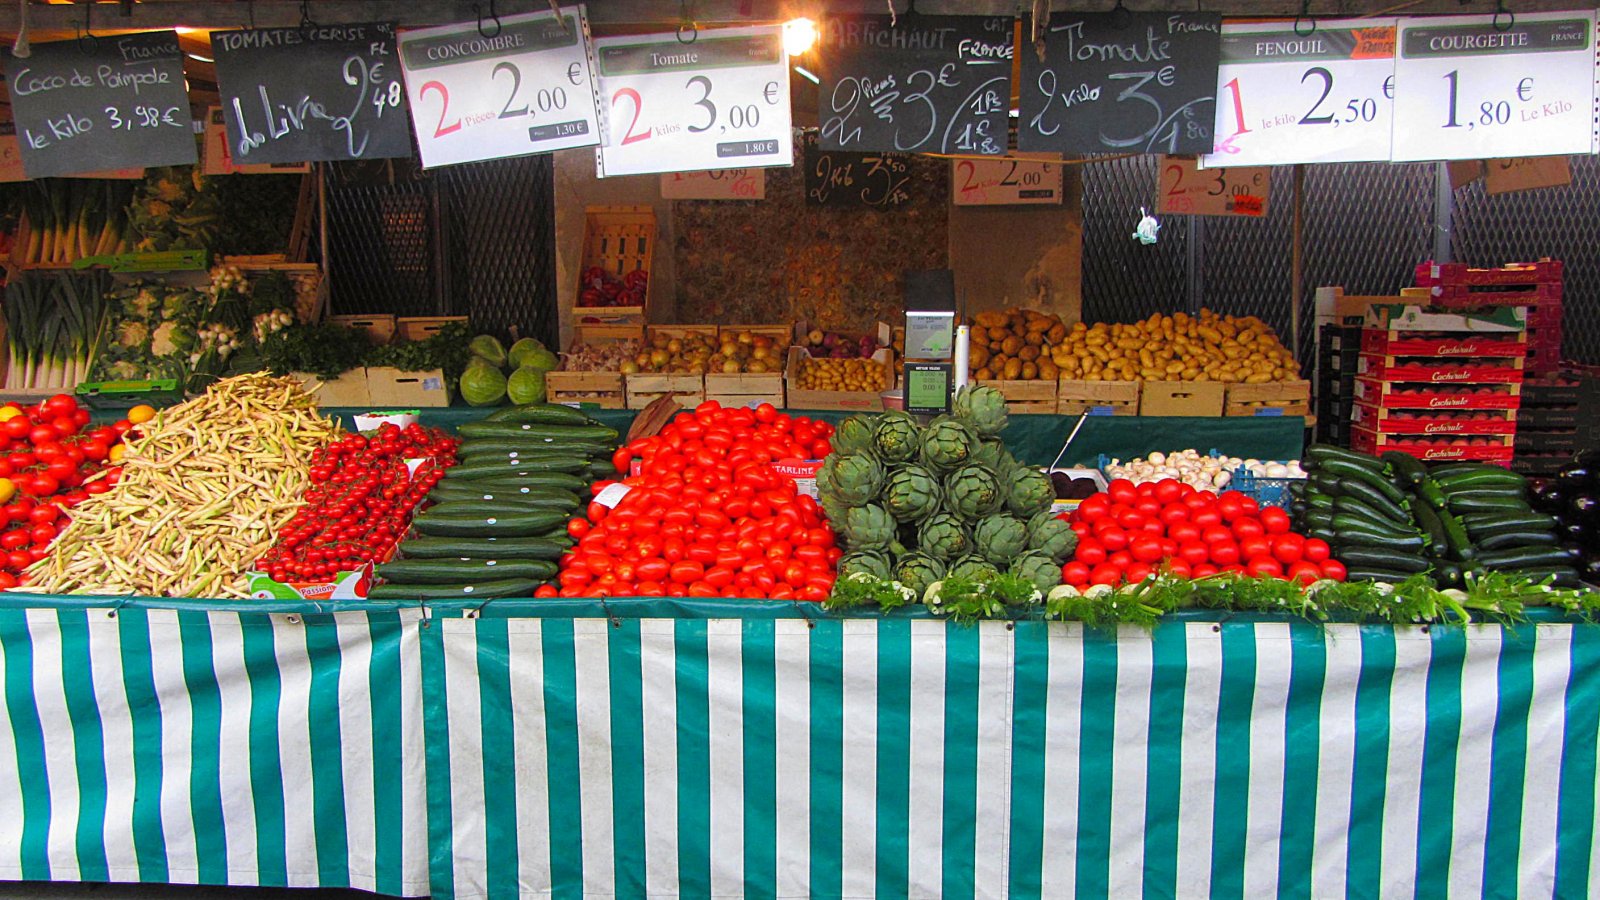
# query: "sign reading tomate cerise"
1469,87
526,88
1287,97
718,101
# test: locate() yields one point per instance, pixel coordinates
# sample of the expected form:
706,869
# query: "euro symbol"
574,74
1525,89
770,93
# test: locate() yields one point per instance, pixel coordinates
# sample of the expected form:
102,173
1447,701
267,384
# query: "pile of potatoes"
1015,344
843,375
1179,347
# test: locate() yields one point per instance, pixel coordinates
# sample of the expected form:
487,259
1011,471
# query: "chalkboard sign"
102,103
323,92
862,180
1122,82
925,84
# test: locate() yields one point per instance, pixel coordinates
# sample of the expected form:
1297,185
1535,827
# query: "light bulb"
798,36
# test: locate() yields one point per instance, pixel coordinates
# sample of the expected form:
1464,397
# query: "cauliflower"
132,334
142,303
165,340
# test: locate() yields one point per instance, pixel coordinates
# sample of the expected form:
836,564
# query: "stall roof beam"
286,13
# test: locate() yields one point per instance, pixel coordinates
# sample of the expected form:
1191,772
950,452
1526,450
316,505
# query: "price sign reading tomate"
1466,89
1186,189
717,101
1286,97
526,88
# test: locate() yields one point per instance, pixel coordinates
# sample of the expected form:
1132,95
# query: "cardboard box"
1409,317
1276,398
392,387
420,328
350,389
853,401
1335,307
378,329
1098,398
602,389
1182,398
354,584
1397,343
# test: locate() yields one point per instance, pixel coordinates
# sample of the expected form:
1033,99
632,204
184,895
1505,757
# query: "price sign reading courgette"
720,100
1285,97
526,88
1466,89
1187,189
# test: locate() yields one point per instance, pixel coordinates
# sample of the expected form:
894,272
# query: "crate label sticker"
1269,411
433,384
1102,411
611,495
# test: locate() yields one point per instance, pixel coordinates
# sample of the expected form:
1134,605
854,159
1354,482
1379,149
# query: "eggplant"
1589,459
1575,531
1576,477
1590,572
1585,507
1555,499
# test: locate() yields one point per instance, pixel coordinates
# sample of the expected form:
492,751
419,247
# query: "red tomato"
1194,554
1246,527
15,539
19,559
1264,567
59,405
1206,517
1114,538
1106,574
42,535
1121,559
1274,520
1287,548
1230,505
1224,554
1250,548
1090,553
1304,572
1174,515
16,427
1075,572
1093,507
1199,499
687,572
1131,519
1184,533
1138,572
1121,490
1179,569
1204,570
43,434
1216,534
1332,568
1168,490
1148,508
1145,548
44,514
1314,550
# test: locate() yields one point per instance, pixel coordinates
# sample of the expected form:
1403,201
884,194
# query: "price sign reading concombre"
527,88
1465,89
717,101
1286,97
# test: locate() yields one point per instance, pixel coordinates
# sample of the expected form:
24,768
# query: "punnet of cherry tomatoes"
1129,532
360,502
706,514
50,461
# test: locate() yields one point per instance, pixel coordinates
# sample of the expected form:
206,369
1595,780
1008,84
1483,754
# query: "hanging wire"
498,27
1511,17
686,23
86,38
555,10
1306,16
21,49
305,16
892,17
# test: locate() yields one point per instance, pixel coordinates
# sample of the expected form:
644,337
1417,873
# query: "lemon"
7,490
140,414
115,456
9,412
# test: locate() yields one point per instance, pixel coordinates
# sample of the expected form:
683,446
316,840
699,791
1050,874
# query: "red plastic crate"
1389,343
1465,296
1545,270
1447,371
1433,421
1544,361
1394,395
1498,450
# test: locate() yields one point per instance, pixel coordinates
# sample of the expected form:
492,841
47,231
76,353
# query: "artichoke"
972,492
894,438
916,571
1028,491
853,435
912,494
981,407
999,538
852,478
1051,536
1044,572
867,562
833,508
867,528
947,444
944,537
990,453
974,568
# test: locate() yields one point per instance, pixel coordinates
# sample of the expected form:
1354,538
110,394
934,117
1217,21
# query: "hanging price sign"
1185,189
1285,97
485,94
1004,182
1466,89
717,184
719,100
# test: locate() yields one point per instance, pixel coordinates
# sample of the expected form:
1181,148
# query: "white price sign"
717,184
1186,189
526,88
1004,182
719,100
1285,97
1466,89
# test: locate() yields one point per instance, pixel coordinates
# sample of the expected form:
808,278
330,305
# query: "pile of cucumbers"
1392,516
497,523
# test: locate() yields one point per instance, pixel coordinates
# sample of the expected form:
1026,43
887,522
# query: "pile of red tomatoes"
706,514
1127,533
48,453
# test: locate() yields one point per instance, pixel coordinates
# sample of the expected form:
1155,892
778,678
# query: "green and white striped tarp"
208,745
799,757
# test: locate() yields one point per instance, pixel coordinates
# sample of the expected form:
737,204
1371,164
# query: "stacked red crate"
1536,286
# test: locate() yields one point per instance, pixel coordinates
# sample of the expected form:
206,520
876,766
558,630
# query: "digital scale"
930,305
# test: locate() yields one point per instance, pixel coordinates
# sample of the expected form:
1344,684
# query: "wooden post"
1296,258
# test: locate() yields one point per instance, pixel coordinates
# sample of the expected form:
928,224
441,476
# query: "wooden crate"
1282,398
678,331
603,389
1113,398
607,334
782,335
420,328
854,401
393,388
1182,398
1026,397
686,399
734,400
741,389
379,329
349,389
644,388
618,239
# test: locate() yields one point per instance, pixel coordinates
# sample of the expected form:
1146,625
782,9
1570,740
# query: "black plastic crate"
1548,417
1568,440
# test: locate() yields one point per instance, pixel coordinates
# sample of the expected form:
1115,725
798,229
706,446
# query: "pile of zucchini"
1390,517
497,523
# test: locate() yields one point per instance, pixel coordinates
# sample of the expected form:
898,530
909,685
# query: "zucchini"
497,507
1368,511
1461,548
474,524
1449,575
1318,518
1488,477
1430,493
1322,454
594,434
1449,470
479,468
497,447
1490,493
1318,500
500,548
1407,467
540,414
1379,558
1506,505
1433,527
1342,541
514,478
461,490
1486,524
482,590
1350,471
463,570
1520,557
1504,540
1363,491
1346,522
1365,573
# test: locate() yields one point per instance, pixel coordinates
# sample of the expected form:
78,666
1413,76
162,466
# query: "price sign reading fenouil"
1186,189
1465,89
717,101
1122,82
1004,182
323,92
928,84
1284,97
527,88
111,103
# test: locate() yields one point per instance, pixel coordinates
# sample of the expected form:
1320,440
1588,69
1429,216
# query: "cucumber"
1318,500
527,450
464,490
540,414
463,570
1487,477
1362,490
1433,527
511,481
1520,557
519,524
500,548
1368,511
600,468
1350,471
478,468
1378,558
1507,505
1322,454
1407,467
498,507
1461,548
597,434
1430,493
1505,540
482,590
1486,493
1365,573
